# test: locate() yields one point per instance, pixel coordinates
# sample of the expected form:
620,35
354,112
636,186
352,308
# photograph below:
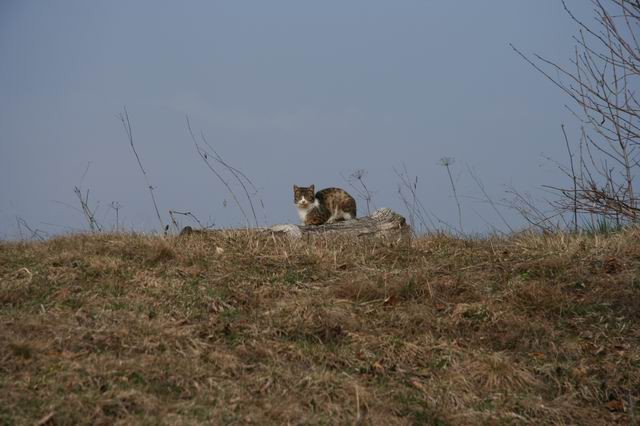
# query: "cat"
326,206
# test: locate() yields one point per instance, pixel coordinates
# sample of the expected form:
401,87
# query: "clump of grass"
238,327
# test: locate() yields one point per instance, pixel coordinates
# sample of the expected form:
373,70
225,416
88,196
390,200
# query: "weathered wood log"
383,223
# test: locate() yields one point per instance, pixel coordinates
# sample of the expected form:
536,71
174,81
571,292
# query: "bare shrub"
602,85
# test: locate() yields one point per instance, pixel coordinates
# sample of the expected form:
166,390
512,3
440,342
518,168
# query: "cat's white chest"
303,211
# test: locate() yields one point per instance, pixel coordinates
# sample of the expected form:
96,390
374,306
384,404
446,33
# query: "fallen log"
383,223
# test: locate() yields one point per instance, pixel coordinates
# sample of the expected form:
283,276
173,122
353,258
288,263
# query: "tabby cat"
326,206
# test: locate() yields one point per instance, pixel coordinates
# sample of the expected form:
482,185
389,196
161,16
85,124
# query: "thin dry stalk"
418,214
116,206
126,124
178,227
446,162
36,234
574,178
525,205
488,199
240,177
243,180
361,189
90,215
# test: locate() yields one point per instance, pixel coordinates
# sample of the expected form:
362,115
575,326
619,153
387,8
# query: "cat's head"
304,196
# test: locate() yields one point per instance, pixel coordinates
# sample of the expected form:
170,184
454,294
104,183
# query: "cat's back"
332,194
337,199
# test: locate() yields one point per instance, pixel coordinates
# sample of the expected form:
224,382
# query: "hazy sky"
286,91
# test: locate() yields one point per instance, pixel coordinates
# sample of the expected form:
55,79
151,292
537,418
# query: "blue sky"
289,92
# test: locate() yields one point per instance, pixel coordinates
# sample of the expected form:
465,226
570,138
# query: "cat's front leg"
332,219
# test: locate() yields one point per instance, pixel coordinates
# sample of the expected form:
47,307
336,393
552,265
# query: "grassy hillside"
232,328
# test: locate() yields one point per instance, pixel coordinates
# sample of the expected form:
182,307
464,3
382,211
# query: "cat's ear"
312,188
295,187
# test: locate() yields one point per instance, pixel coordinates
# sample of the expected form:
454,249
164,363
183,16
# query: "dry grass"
232,328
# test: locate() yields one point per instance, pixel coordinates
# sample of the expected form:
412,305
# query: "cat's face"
303,196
